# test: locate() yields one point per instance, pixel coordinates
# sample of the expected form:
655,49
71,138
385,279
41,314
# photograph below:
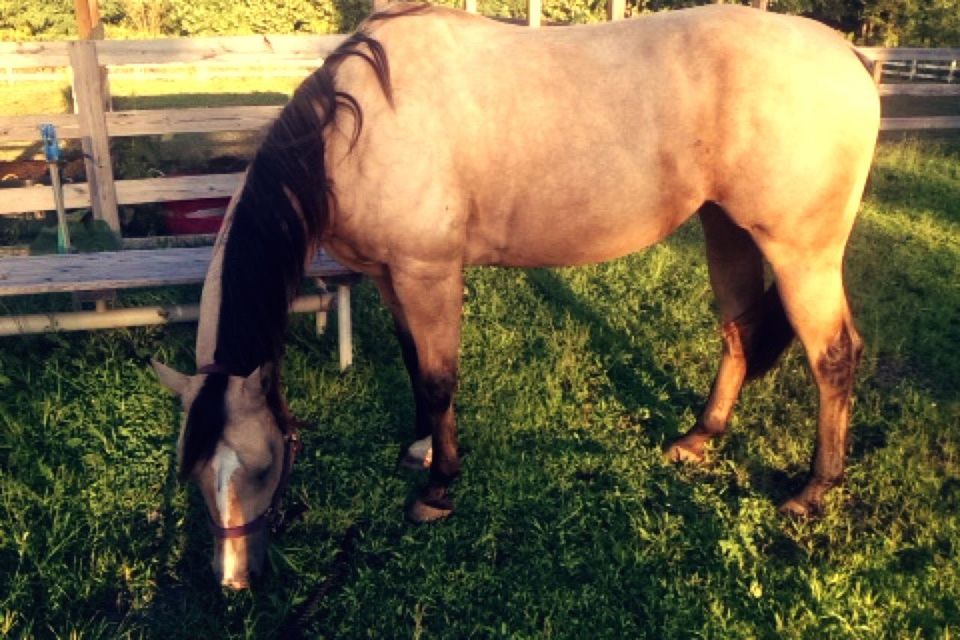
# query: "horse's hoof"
798,507
421,512
412,463
677,453
417,456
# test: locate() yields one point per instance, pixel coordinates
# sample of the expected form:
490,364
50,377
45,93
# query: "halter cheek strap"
271,515
213,367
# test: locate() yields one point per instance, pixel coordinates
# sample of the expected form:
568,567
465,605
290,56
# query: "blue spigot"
51,146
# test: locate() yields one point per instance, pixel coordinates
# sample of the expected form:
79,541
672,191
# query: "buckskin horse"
433,139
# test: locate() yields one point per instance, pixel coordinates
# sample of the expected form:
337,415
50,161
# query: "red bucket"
187,217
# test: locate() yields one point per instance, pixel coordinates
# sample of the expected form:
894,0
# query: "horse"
433,139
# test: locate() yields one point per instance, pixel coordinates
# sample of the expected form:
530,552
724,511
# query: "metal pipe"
51,149
133,317
63,231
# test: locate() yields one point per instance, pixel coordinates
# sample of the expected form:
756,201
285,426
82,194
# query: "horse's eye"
262,475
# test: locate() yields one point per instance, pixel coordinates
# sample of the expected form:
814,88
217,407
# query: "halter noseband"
273,515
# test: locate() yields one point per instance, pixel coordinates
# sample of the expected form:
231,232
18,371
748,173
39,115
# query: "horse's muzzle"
238,561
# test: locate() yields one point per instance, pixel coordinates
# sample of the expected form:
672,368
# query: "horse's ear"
173,380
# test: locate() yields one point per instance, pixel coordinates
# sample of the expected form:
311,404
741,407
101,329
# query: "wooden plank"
924,89
197,120
88,92
231,49
76,196
216,185
122,270
344,328
30,55
27,128
908,53
927,122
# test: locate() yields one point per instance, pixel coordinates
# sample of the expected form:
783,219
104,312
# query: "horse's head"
238,445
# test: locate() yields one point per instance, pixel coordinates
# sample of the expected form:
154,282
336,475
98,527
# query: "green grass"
567,524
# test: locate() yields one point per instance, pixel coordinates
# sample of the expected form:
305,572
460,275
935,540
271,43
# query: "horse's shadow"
635,396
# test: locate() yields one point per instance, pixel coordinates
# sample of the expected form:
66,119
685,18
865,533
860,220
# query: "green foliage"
31,19
205,17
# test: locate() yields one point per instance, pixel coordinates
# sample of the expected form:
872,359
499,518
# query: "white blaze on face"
227,463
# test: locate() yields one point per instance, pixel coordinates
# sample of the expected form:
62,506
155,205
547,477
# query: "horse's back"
575,144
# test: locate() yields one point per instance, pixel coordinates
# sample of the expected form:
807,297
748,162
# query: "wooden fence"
95,125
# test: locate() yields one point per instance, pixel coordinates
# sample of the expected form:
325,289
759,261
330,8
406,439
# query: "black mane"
268,239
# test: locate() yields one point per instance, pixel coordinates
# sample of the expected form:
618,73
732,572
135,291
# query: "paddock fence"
922,73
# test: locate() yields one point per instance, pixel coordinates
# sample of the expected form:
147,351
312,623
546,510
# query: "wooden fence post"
877,72
616,9
88,94
534,8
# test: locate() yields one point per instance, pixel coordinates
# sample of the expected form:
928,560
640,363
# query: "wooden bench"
104,273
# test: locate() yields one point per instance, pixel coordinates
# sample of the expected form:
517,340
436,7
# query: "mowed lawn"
568,525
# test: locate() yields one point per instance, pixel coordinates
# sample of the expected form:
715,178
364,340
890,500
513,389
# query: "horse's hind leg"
754,328
811,283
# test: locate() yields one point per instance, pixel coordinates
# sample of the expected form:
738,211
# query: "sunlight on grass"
568,525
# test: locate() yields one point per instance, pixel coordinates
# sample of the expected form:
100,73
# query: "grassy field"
568,525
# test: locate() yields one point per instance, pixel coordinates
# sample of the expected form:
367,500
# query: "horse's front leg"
429,302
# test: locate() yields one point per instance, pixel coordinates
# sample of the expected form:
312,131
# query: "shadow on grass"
908,309
913,190
604,339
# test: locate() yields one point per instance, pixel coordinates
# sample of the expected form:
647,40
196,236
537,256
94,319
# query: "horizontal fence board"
214,185
225,49
27,128
924,122
122,270
907,53
77,196
26,55
145,122
196,120
924,89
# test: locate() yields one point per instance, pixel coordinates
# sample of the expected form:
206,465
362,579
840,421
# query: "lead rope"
293,628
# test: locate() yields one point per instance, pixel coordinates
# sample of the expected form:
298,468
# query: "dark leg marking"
838,364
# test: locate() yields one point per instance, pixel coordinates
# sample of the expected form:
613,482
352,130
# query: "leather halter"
272,515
